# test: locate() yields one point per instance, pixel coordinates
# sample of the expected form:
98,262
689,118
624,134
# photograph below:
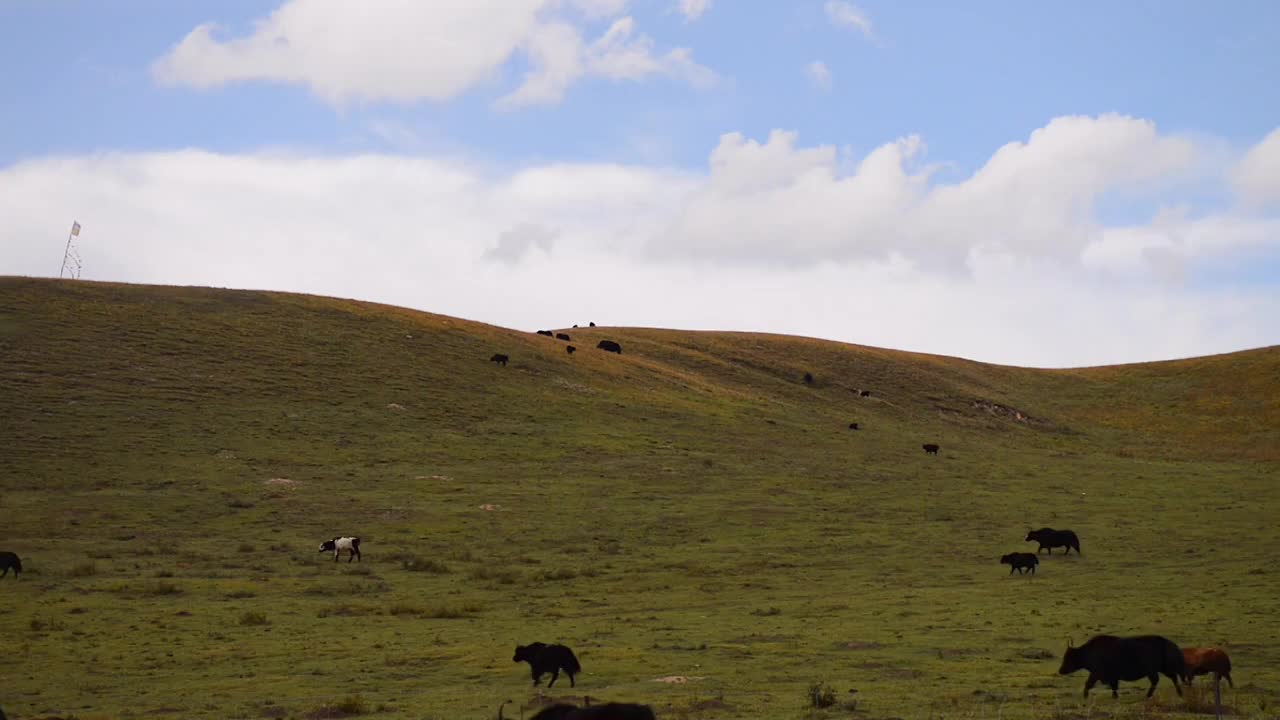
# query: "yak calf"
1021,562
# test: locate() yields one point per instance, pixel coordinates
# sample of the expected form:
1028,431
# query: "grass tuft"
252,618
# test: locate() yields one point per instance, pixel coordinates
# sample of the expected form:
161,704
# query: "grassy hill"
170,459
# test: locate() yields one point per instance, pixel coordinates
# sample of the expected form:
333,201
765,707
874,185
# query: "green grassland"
170,459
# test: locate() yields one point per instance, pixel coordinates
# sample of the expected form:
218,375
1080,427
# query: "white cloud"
600,8
818,74
884,255
844,14
514,244
558,59
773,202
693,9
403,51
1257,177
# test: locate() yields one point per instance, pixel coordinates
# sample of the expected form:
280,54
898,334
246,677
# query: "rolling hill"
170,459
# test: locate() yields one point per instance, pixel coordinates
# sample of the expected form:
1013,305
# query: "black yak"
548,333
500,359
853,426
865,393
1202,661
570,349
1110,659
10,560
1050,538
609,346
338,544
562,336
544,658
930,448
1021,562
608,711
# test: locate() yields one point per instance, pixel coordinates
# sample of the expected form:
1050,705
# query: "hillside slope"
690,507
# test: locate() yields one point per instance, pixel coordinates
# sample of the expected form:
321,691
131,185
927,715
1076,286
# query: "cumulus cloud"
558,59
401,51
819,74
693,9
774,202
514,244
845,15
771,236
1257,177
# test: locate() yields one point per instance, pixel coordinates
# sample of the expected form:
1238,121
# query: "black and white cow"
338,544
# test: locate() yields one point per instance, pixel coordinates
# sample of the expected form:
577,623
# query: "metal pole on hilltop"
67,257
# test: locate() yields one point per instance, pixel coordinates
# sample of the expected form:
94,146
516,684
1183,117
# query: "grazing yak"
1021,562
10,560
570,349
592,324
930,448
562,336
853,426
500,359
544,658
609,346
1110,659
608,711
338,544
548,333
1203,661
865,393
1050,538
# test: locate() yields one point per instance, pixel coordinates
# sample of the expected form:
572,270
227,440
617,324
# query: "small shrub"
161,588
164,573
240,594
808,380
428,565
347,609
254,618
820,695
501,575
558,574
767,613
346,707
238,504
450,612
84,569
399,609
38,625
99,554
244,548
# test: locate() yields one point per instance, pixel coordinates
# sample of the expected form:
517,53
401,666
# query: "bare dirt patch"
677,679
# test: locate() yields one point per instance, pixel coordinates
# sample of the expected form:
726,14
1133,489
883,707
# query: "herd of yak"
1108,658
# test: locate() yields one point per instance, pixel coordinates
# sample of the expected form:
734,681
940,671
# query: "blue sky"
969,77
1179,94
